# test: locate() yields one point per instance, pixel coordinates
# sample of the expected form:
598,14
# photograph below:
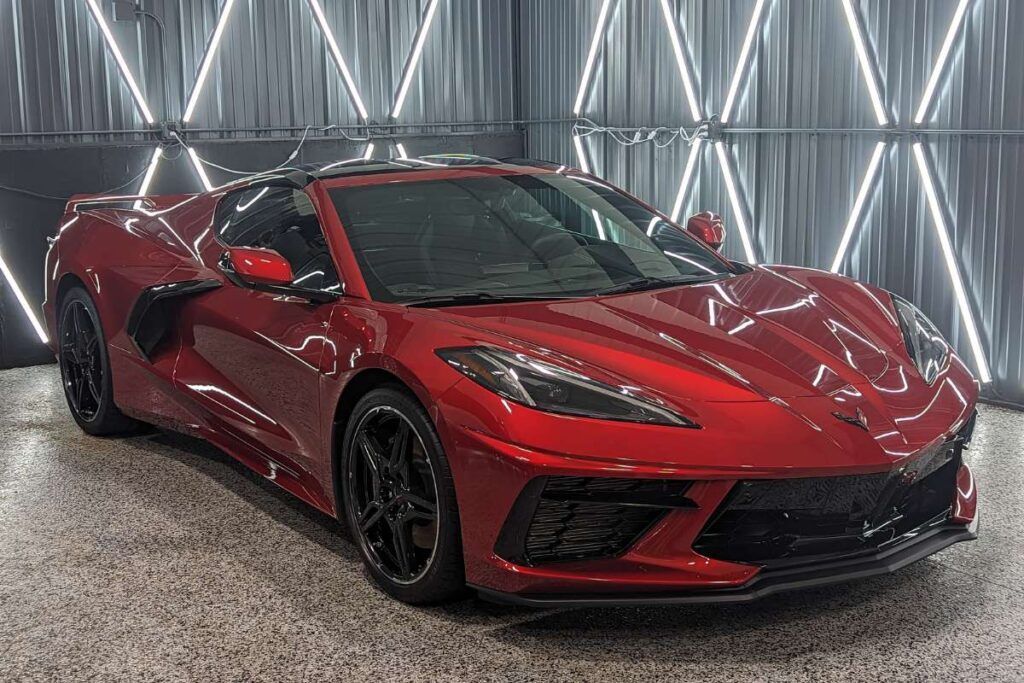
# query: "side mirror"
265,270
260,266
708,228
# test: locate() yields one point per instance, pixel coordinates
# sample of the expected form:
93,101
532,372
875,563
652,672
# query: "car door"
252,358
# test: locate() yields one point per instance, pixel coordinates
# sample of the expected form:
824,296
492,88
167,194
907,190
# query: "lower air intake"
557,519
780,522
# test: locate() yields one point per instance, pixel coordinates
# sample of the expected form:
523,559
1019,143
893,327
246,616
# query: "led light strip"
595,46
414,58
939,221
741,64
686,182
204,67
200,171
121,64
350,84
147,179
737,204
20,296
581,154
858,205
867,65
940,63
681,61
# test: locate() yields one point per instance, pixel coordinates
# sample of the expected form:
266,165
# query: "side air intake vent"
581,518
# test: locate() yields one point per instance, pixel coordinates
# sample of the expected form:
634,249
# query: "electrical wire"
661,136
50,197
291,157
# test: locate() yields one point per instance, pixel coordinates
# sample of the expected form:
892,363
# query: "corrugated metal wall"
800,184
271,69
69,124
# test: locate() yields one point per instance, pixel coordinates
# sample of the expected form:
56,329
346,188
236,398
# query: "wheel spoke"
94,391
79,390
422,504
402,546
371,515
399,446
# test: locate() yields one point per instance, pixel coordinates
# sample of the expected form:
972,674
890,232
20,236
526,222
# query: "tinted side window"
282,219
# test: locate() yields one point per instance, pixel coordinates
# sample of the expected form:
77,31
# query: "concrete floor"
159,558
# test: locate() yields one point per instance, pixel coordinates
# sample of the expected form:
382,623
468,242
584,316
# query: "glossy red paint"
708,228
263,266
760,361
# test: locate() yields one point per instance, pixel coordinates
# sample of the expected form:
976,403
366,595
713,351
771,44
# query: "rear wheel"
399,499
85,368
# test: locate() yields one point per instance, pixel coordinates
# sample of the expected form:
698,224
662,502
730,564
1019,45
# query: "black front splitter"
767,582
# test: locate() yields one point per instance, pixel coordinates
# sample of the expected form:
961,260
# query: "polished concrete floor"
159,558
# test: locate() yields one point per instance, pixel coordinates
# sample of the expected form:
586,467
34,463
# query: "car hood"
759,336
750,337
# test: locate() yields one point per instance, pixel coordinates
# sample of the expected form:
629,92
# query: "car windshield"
513,237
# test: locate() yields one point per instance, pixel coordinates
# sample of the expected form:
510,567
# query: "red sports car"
513,376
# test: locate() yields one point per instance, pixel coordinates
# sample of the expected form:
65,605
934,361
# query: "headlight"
545,386
924,342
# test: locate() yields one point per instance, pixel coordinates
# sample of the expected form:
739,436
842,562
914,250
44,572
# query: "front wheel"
85,368
399,499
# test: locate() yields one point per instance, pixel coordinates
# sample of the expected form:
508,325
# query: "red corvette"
513,376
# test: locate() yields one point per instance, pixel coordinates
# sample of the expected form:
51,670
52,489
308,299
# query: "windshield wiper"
473,298
644,283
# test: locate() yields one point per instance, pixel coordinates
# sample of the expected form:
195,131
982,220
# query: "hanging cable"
290,158
661,136
50,197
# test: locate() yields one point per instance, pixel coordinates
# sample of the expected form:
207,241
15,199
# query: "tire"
85,368
377,525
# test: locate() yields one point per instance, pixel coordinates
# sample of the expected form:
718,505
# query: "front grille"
580,518
780,522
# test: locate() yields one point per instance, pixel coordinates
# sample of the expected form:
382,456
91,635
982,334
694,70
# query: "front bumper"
765,583
661,564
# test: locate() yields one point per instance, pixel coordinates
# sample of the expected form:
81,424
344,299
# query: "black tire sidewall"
445,577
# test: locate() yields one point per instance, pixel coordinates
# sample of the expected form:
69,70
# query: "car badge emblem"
857,420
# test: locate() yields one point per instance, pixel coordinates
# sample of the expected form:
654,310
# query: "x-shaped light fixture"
939,213
408,72
725,158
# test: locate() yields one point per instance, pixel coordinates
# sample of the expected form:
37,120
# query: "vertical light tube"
339,61
681,61
867,65
858,205
686,182
200,171
20,296
577,143
414,58
741,65
737,204
581,154
204,67
595,46
126,73
940,63
368,154
401,151
147,179
939,221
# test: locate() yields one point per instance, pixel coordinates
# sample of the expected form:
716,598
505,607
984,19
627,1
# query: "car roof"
301,175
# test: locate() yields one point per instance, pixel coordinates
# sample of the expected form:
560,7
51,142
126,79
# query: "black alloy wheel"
399,499
80,361
85,368
395,495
